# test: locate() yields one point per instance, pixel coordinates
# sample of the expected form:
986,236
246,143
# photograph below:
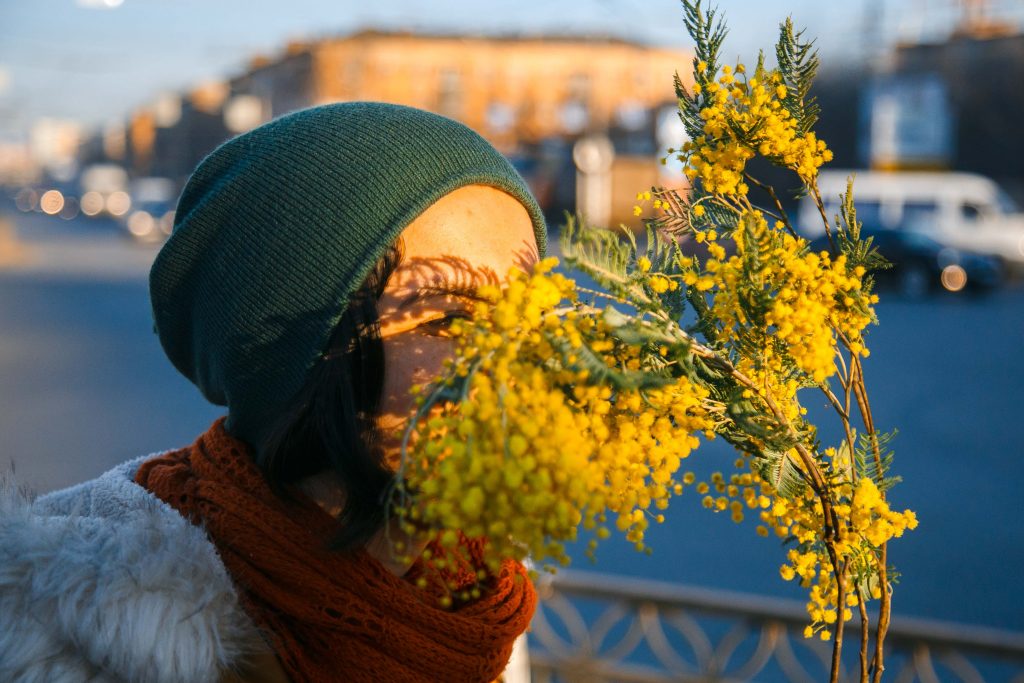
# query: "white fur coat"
104,583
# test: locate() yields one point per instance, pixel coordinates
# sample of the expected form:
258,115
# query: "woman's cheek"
409,358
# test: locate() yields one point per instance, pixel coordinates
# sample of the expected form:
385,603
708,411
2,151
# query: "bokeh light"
92,203
118,203
70,209
141,224
51,202
954,277
26,200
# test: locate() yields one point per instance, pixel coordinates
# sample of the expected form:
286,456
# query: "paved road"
85,385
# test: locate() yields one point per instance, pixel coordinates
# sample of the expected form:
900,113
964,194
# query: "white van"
963,210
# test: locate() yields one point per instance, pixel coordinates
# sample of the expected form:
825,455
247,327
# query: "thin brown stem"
885,603
778,205
865,629
837,644
884,613
844,414
821,211
844,373
836,405
847,391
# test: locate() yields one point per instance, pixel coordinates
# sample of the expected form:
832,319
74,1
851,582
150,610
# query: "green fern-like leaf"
755,423
781,473
689,109
798,65
876,468
599,372
708,33
635,331
599,253
675,219
859,252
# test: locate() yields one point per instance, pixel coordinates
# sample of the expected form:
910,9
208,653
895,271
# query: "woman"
315,264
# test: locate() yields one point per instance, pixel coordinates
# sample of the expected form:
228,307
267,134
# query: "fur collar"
103,582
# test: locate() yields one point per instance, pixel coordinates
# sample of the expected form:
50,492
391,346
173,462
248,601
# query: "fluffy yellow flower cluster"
644,197
773,318
537,446
743,117
743,490
792,304
866,522
811,295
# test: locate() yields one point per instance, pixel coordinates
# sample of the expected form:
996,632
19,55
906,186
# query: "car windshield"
889,239
916,239
919,215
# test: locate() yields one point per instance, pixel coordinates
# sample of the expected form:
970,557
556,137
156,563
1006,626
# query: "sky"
95,60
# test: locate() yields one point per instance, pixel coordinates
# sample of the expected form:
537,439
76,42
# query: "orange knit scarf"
332,616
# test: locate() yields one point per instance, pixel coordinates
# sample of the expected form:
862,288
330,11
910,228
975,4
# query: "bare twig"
885,602
837,644
821,211
836,405
778,204
865,628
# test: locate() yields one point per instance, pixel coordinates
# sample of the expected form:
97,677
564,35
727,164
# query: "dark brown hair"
331,425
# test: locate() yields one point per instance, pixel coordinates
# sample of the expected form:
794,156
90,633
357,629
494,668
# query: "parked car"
921,265
965,211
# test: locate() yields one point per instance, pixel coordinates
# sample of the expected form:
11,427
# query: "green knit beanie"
278,227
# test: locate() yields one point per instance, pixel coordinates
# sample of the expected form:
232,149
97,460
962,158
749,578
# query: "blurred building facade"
531,96
513,90
966,90
53,145
983,68
950,103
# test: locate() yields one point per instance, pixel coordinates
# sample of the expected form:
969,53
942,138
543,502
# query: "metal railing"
595,628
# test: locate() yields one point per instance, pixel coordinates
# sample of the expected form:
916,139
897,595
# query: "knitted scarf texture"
332,616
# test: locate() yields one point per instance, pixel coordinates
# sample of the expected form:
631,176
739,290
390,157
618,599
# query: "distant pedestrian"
314,268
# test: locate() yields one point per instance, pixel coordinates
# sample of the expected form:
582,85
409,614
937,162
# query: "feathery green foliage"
709,33
876,469
798,64
859,252
601,254
782,473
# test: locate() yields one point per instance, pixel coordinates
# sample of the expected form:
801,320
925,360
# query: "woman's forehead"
471,236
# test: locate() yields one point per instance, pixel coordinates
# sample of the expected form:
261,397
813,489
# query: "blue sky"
83,60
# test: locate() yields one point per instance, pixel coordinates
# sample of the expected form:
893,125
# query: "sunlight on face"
469,237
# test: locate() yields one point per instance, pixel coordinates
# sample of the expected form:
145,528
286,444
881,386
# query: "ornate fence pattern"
593,628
